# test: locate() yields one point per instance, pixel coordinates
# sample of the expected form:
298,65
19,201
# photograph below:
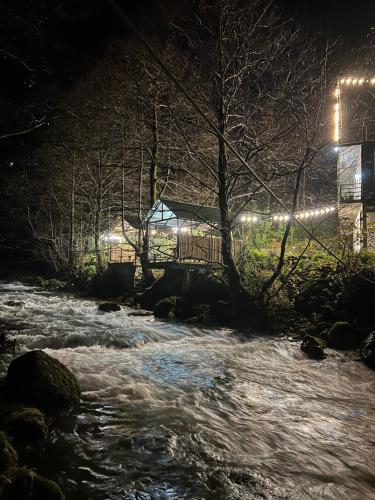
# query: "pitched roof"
133,220
189,211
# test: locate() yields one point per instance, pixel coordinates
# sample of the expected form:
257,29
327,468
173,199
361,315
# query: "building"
121,239
356,193
355,139
183,232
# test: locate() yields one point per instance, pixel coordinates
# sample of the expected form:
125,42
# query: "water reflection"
171,411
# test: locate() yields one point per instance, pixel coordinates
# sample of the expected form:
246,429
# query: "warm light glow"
304,215
153,232
337,116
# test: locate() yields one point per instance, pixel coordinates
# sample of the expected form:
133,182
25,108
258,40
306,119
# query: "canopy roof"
189,211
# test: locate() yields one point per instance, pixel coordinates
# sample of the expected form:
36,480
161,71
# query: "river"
174,411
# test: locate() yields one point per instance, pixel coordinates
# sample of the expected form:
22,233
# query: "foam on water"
174,411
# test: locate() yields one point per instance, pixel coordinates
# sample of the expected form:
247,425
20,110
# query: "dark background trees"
85,111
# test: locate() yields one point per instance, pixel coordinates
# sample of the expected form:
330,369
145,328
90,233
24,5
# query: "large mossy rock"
165,307
23,484
368,350
27,424
8,455
39,380
342,335
313,347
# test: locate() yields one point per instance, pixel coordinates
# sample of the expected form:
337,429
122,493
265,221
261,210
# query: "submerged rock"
109,307
165,307
313,347
368,350
14,303
42,381
27,424
342,335
23,484
8,455
140,313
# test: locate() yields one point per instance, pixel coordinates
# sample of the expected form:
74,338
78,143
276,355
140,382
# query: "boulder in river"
313,347
37,379
14,303
368,350
27,424
165,307
109,307
8,455
24,484
342,335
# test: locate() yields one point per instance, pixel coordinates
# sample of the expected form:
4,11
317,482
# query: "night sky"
52,43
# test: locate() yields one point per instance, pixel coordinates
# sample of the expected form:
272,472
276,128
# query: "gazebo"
183,232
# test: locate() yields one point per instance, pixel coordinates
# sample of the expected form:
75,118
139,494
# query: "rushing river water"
172,411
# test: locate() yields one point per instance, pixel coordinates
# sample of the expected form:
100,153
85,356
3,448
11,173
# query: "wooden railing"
199,248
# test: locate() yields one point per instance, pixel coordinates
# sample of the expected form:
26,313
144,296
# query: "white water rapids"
173,411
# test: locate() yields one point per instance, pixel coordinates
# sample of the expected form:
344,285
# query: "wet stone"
109,307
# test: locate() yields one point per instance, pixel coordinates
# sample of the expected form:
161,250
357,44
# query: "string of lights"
358,82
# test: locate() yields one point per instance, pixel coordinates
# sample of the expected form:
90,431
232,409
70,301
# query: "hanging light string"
201,113
348,82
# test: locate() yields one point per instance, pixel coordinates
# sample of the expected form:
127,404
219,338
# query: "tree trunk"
236,289
154,154
98,216
71,251
268,284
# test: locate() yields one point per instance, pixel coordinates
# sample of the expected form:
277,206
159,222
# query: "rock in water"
27,424
313,347
42,381
8,455
165,307
109,307
24,484
368,350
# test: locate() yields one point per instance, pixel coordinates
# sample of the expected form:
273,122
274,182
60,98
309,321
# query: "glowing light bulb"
243,218
255,219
